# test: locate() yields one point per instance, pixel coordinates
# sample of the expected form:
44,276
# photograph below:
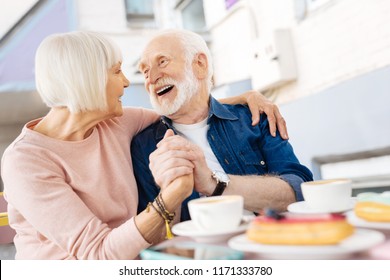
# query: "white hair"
71,70
192,44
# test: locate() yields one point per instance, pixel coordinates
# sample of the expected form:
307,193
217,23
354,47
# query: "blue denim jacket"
241,149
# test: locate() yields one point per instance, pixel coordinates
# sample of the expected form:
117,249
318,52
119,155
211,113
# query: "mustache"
162,82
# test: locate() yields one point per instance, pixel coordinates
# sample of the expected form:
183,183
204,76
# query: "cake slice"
373,207
300,229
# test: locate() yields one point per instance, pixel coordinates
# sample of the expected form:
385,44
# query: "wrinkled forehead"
161,46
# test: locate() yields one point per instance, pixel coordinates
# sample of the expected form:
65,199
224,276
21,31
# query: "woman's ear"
200,66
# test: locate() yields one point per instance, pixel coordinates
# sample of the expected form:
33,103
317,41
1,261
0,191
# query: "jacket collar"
216,110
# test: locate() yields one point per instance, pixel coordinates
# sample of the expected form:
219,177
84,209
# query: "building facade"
326,63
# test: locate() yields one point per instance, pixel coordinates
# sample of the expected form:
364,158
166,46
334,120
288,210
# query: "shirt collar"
220,111
216,109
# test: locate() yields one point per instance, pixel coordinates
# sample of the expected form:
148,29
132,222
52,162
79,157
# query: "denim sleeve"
295,182
281,160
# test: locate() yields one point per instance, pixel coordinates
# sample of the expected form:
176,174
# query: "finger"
269,111
161,157
177,139
160,164
171,174
281,123
175,143
255,111
169,133
282,127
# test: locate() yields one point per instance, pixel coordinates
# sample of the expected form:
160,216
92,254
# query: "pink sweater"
75,200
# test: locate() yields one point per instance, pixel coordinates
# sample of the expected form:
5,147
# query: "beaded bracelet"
164,213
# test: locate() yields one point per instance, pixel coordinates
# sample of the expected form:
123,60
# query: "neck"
60,124
194,111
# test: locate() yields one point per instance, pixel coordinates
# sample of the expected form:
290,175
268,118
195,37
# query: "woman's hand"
258,104
172,159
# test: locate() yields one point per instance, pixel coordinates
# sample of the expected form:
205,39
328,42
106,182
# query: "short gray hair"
192,44
71,70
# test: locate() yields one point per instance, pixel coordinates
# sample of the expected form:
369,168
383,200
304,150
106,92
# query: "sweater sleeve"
43,201
136,119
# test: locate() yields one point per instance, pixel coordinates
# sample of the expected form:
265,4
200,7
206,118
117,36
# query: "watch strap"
219,189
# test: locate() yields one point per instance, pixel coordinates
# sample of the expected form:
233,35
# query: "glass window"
315,4
140,13
193,16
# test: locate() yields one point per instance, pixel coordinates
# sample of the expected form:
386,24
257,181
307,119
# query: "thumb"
169,133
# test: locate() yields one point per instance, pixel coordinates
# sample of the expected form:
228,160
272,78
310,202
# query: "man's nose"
154,75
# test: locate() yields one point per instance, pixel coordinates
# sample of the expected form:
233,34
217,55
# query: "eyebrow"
141,63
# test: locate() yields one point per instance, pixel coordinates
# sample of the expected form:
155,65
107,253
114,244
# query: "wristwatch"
222,182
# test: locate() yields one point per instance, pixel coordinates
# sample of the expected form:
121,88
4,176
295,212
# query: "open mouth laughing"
164,90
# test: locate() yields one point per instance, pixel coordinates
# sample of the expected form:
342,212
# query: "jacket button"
262,162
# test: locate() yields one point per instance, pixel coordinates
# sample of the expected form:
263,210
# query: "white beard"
185,91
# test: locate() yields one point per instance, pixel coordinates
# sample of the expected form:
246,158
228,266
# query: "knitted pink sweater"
75,200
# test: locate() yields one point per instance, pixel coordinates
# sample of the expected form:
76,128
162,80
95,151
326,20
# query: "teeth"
162,89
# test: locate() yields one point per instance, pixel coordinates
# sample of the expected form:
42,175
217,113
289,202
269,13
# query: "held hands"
174,157
170,160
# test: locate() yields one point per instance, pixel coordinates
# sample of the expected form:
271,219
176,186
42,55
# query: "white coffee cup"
328,195
217,213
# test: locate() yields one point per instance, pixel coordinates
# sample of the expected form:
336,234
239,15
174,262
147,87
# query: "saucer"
301,207
188,228
358,222
361,240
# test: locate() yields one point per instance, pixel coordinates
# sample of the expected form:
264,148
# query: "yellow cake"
300,229
373,207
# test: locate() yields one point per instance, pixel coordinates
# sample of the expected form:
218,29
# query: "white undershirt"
197,134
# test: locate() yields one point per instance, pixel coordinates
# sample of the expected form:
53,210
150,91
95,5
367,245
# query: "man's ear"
200,66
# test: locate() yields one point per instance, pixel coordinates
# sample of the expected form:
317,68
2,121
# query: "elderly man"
217,142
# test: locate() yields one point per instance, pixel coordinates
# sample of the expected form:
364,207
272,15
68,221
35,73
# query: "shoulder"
150,133
242,113
135,119
133,114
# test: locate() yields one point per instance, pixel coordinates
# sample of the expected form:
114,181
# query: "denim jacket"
241,149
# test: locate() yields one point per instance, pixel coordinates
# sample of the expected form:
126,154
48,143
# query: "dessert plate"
188,228
358,222
301,207
361,240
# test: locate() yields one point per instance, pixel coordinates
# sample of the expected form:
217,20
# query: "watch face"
222,177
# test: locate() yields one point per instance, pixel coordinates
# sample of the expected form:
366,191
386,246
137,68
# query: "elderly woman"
68,177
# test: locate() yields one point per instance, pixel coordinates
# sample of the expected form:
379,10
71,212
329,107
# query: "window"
140,13
315,4
368,173
192,14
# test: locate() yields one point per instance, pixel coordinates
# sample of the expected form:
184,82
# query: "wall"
338,42
334,43
348,118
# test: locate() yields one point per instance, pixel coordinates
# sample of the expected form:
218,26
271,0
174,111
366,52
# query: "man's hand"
177,156
172,159
258,104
